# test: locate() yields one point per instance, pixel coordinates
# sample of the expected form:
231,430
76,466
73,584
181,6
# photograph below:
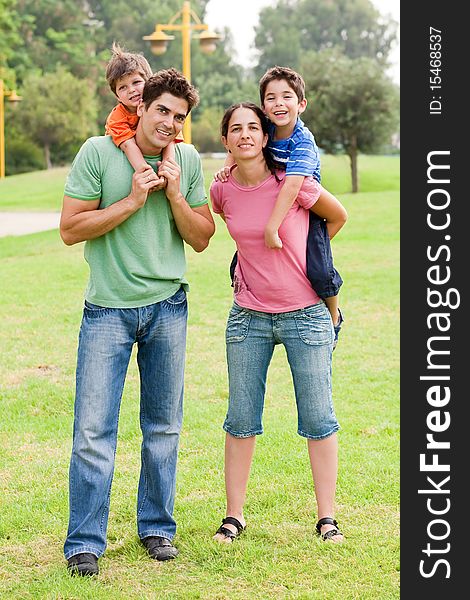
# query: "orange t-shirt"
121,125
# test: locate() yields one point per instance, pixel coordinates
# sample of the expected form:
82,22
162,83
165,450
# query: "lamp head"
14,98
208,41
158,41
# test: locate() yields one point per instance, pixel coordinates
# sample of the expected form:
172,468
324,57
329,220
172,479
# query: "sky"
241,16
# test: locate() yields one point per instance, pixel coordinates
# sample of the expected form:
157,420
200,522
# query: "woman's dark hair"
264,125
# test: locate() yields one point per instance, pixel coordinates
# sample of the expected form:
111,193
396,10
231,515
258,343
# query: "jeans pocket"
179,297
238,323
315,327
94,311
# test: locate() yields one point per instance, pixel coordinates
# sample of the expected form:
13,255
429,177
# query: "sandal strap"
226,532
232,521
331,533
325,521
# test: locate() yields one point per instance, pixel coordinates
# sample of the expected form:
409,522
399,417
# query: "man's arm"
195,225
81,220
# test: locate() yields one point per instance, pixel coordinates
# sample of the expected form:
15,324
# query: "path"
21,223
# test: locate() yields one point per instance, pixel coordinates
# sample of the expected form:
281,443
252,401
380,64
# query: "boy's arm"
285,199
330,208
121,127
224,172
133,153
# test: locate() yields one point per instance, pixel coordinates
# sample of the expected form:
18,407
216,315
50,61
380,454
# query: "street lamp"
12,97
189,22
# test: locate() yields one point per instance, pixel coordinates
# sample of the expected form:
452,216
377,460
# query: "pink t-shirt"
265,279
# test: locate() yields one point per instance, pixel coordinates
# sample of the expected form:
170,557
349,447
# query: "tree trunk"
47,156
353,159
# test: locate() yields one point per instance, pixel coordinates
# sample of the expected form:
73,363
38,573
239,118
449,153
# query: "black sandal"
227,532
332,532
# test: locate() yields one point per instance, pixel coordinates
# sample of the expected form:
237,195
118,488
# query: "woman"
274,304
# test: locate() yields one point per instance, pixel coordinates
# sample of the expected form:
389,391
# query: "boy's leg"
332,305
321,273
336,316
169,152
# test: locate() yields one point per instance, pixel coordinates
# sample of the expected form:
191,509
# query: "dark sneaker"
337,328
84,564
159,548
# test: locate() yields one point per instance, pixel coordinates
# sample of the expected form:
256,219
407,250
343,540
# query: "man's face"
161,123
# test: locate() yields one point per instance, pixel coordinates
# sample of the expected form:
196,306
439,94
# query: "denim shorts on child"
321,273
307,335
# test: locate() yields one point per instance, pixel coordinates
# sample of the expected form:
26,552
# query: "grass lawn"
43,190
279,555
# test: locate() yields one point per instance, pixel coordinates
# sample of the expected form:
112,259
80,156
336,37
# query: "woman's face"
245,138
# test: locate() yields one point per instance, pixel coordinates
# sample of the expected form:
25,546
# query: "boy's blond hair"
124,63
277,73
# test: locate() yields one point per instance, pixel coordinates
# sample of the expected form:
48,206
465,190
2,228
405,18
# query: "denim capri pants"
307,335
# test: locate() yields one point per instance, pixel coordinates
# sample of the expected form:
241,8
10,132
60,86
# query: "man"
136,294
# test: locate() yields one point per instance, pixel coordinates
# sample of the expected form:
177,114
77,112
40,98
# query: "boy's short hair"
294,80
124,63
172,82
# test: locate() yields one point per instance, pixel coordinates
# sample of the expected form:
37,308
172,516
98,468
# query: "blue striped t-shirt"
297,154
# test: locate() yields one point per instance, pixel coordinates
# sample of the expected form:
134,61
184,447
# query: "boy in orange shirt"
126,74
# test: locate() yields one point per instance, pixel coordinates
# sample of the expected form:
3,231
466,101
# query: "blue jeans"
106,338
307,335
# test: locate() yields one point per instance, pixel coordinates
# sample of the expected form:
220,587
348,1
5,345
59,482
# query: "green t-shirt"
142,260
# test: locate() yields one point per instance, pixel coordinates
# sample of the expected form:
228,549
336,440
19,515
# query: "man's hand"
222,174
143,180
170,170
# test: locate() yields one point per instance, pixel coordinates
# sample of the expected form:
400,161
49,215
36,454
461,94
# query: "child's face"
281,104
129,90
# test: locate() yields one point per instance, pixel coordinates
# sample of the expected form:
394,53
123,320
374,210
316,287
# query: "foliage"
9,38
41,36
22,155
57,110
353,105
289,29
206,131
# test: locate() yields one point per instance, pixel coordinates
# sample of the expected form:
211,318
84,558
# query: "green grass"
278,555
43,190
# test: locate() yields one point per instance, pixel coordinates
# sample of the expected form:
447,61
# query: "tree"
352,105
291,28
58,111
9,38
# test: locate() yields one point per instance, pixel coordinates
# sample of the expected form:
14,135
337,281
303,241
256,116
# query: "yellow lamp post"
12,97
189,22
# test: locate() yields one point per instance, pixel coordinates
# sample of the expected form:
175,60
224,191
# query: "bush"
22,155
206,131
